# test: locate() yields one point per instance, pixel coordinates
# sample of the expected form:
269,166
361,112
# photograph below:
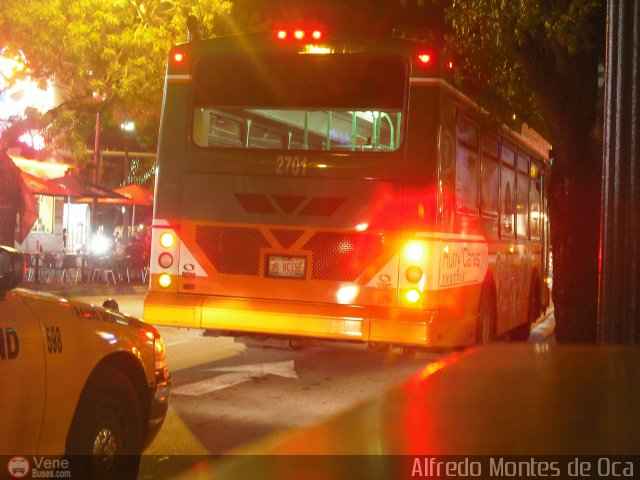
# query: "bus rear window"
307,102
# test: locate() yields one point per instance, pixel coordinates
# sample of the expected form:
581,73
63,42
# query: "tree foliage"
520,56
106,56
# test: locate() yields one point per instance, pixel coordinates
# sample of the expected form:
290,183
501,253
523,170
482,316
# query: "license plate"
286,267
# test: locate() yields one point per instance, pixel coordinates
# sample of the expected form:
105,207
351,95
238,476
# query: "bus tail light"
167,239
415,260
414,274
413,295
165,260
414,252
164,280
165,254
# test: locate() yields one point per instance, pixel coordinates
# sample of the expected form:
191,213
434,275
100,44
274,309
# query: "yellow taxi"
82,388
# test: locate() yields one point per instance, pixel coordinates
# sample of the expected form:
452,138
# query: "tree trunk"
574,203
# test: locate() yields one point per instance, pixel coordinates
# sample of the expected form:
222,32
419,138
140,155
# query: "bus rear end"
285,201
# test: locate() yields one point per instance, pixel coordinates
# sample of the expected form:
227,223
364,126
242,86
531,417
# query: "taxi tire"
108,404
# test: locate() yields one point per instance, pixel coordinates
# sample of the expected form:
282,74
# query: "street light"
127,128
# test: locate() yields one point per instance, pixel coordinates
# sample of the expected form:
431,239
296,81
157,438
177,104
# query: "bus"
319,187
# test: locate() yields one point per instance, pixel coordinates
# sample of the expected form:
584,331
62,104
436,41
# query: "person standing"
10,197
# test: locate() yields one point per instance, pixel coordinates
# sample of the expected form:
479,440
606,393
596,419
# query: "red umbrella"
74,184
130,195
41,186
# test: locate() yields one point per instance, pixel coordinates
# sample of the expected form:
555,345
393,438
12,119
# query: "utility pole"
127,128
619,280
96,154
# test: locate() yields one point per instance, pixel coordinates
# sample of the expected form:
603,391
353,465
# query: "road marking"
235,375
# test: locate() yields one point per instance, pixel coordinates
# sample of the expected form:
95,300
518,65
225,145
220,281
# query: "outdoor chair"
102,270
51,265
70,264
137,266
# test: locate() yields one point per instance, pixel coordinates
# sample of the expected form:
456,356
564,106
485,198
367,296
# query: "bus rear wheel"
522,332
486,316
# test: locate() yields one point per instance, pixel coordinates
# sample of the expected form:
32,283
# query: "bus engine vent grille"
232,250
342,256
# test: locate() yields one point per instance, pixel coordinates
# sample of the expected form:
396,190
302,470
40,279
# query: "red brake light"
450,65
425,58
317,34
298,34
281,34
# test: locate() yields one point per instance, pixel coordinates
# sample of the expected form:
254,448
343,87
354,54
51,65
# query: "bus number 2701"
291,165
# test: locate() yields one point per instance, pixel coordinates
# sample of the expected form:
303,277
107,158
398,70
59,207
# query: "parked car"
79,382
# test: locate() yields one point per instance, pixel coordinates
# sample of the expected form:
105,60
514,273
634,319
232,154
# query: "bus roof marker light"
281,34
298,34
425,58
316,34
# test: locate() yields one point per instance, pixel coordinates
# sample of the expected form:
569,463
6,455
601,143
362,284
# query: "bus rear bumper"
239,316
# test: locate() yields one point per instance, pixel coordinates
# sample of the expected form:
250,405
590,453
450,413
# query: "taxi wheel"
105,440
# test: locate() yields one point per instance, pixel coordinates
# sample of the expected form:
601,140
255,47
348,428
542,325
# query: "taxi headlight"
159,355
160,361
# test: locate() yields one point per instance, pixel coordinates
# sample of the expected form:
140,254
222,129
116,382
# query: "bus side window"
467,166
535,201
489,175
507,190
522,196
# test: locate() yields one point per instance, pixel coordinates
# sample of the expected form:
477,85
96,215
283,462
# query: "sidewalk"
72,290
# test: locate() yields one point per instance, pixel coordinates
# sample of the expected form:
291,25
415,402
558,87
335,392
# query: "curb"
85,290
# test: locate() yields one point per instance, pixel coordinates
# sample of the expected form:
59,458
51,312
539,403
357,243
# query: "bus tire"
522,332
486,317
105,438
